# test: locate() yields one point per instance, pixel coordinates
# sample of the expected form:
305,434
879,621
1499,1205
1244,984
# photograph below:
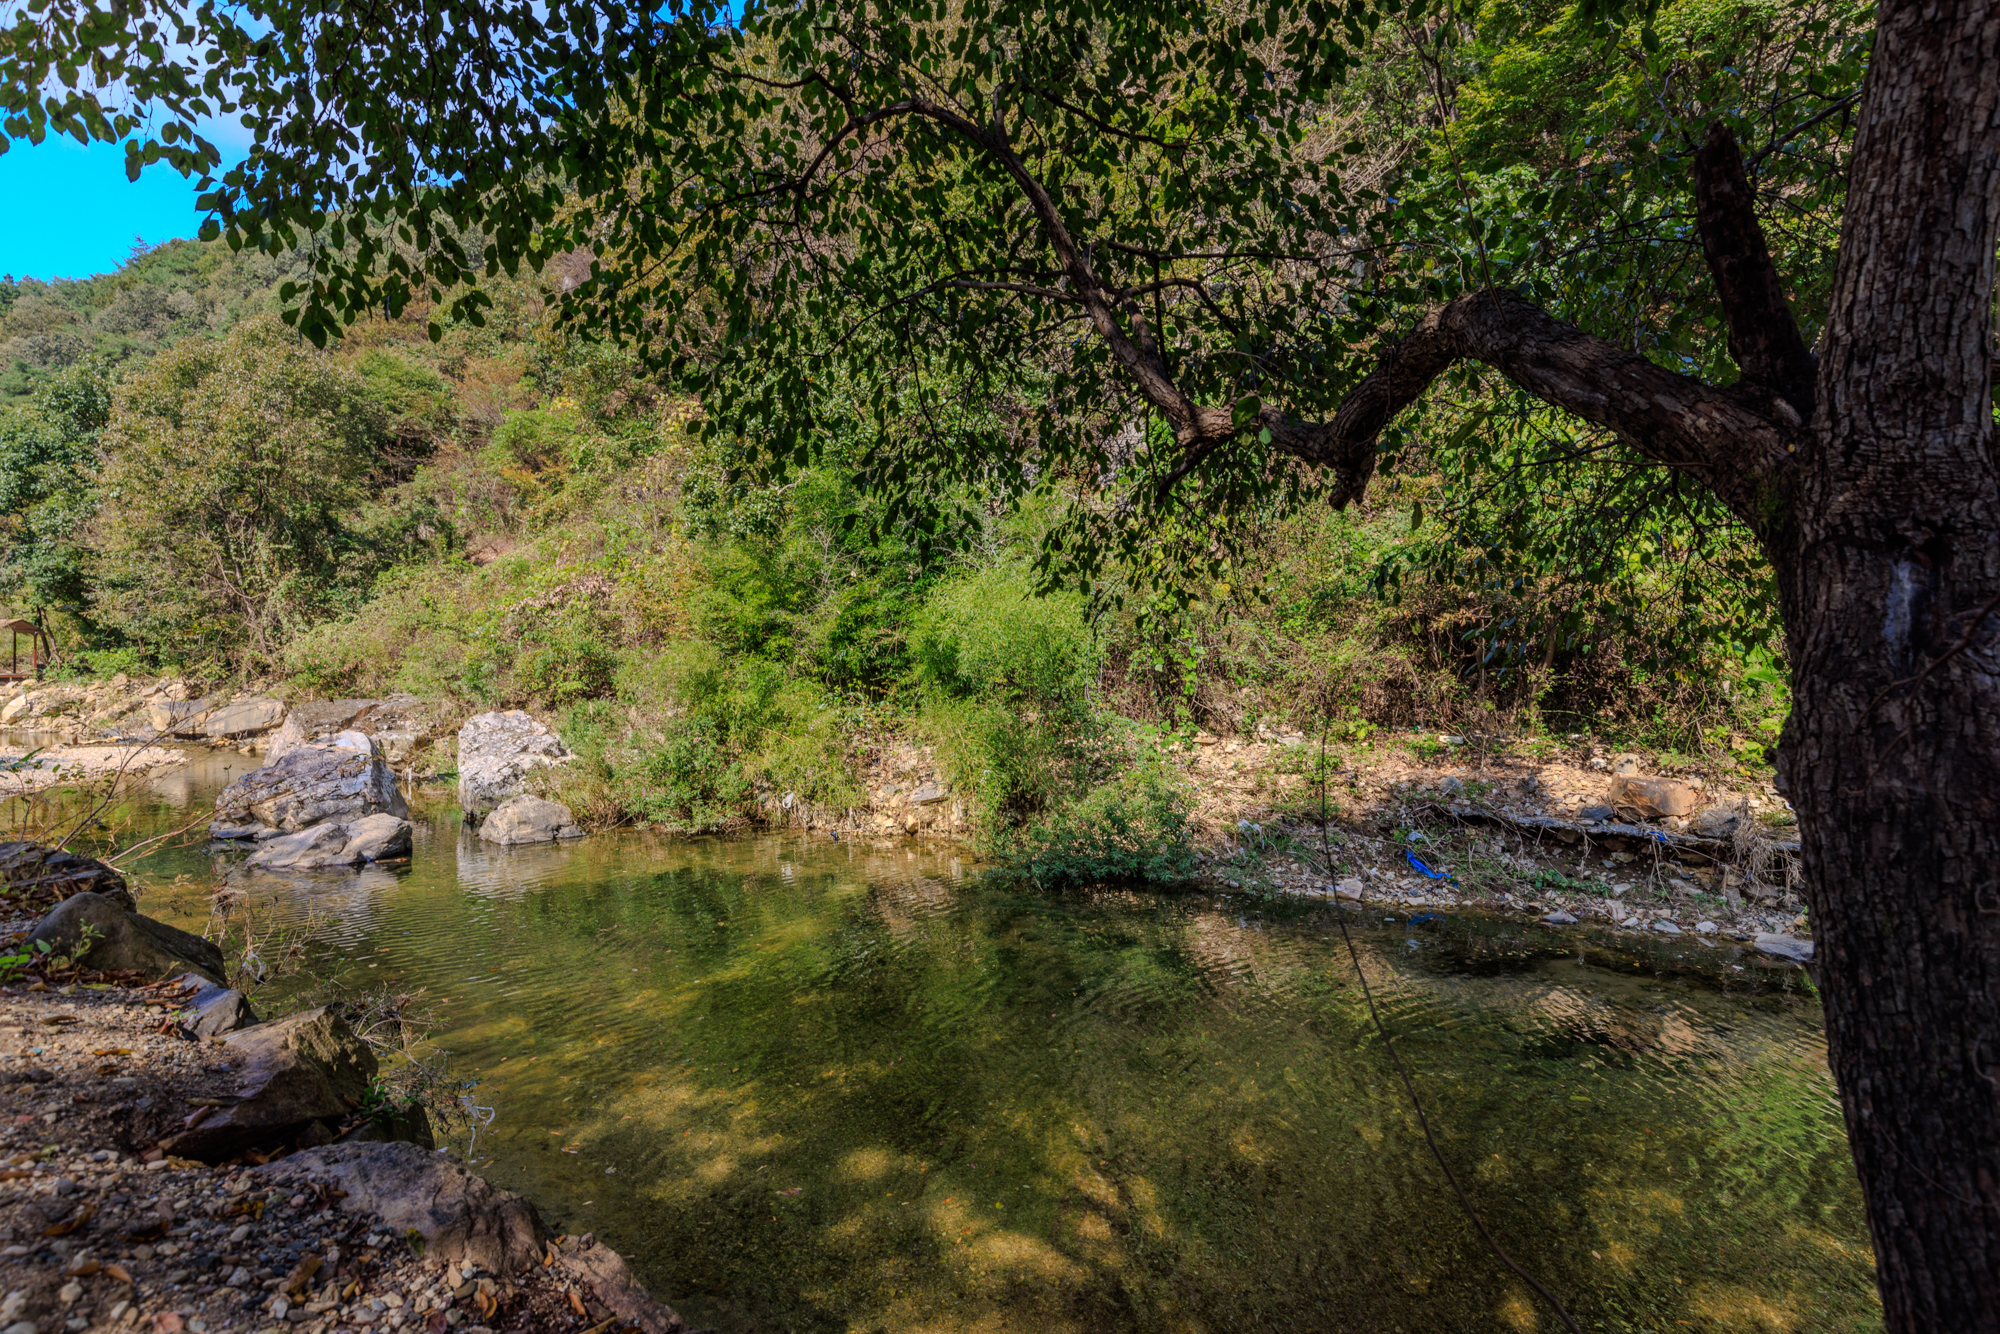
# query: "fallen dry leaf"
70,1224
118,1272
576,1304
83,1270
301,1275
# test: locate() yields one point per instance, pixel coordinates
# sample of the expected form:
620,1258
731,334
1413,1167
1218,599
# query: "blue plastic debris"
1426,872
1423,917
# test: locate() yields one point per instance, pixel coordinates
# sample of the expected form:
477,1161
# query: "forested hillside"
512,514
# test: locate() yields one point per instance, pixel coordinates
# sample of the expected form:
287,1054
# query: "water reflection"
817,1086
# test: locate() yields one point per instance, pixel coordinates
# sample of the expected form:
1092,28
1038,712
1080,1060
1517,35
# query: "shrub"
1136,827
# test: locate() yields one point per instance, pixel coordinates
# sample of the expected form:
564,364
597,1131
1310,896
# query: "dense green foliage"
855,437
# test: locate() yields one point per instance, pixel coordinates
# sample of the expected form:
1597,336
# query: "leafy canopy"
1033,208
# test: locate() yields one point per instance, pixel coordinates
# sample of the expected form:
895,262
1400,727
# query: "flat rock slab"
309,785
1784,947
124,940
214,719
497,752
301,1076
34,877
525,819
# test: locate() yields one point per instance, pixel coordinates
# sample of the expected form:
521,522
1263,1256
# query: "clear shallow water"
816,1086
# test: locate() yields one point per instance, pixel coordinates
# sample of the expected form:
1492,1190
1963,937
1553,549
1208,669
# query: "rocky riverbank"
1556,827
103,1229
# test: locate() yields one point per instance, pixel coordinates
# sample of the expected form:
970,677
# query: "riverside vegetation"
514,517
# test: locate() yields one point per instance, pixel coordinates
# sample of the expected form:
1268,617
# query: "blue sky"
72,213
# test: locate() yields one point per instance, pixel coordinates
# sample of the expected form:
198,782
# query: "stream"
816,1086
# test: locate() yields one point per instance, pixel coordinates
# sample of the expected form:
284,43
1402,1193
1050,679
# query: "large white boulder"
497,752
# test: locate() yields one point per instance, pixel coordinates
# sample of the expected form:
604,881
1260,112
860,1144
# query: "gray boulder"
245,717
214,1011
311,784
313,849
312,724
497,752
378,838
301,1076
214,719
605,1273
529,820
124,940
463,1218
33,877
331,843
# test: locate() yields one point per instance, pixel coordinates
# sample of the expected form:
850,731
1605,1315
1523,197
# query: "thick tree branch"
1736,441
1763,336
1725,438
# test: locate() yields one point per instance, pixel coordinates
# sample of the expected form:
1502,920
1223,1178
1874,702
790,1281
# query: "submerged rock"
311,784
125,941
529,820
497,752
1560,917
301,1076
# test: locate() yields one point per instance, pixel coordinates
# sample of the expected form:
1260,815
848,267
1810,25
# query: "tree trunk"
1889,568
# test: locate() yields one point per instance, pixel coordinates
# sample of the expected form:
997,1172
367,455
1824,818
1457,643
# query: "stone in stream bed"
310,785
301,1076
124,940
1785,947
497,752
333,843
1560,917
529,820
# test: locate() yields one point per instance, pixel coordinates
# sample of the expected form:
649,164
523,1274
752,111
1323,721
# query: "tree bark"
1890,579
1870,476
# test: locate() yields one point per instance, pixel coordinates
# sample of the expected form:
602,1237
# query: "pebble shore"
100,1232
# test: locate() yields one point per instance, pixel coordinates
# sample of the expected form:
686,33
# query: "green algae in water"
812,1086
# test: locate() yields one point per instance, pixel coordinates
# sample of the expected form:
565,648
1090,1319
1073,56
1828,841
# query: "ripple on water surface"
810,1086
